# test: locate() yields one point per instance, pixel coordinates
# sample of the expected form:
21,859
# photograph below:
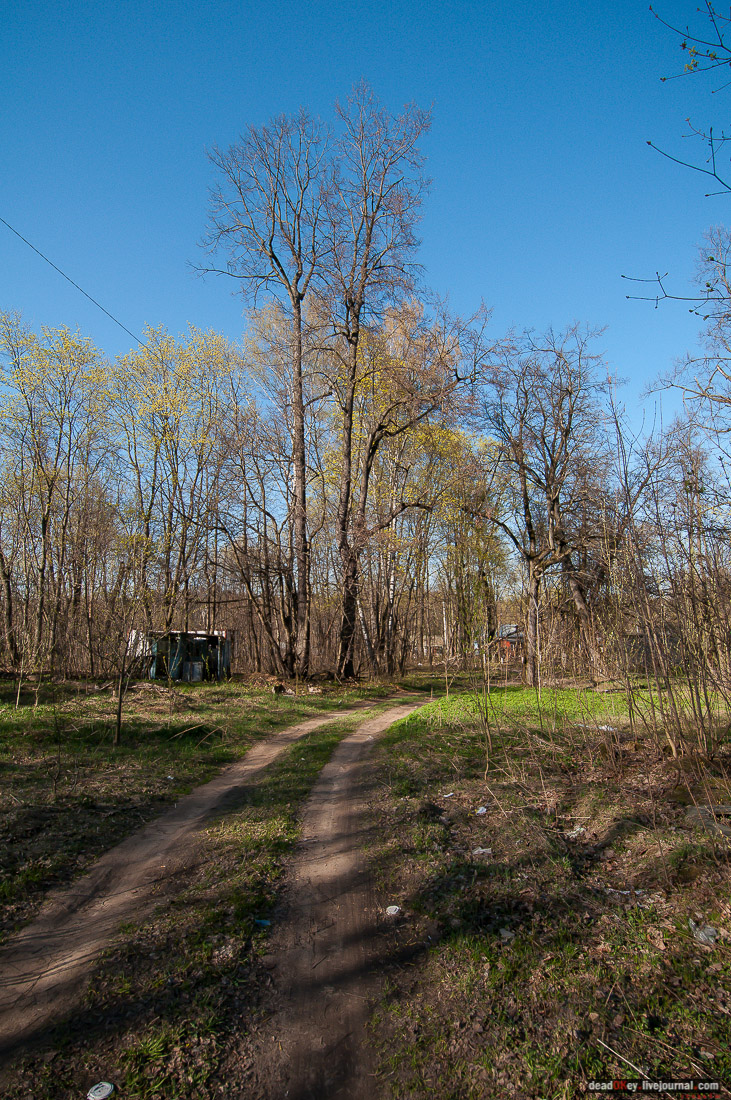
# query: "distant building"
183,655
510,638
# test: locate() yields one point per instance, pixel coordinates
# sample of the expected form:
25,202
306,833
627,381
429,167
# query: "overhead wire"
74,284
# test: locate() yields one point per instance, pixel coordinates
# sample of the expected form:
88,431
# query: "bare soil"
327,952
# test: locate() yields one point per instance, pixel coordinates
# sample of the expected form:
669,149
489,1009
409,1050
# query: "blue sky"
544,189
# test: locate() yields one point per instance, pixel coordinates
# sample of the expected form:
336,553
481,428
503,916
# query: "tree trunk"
532,637
586,633
117,739
366,634
10,641
349,609
301,546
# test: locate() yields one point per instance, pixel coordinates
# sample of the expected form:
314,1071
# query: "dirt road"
320,950
43,970
325,951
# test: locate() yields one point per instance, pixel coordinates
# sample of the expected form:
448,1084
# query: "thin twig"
218,729
189,729
652,1039
497,801
625,1060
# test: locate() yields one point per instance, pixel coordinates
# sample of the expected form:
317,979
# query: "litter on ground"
704,934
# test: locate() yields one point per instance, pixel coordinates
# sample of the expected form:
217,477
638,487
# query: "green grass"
524,962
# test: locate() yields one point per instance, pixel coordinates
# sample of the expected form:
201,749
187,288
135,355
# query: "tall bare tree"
373,211
417,367
266,221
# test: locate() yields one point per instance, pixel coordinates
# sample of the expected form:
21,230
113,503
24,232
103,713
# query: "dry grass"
563,952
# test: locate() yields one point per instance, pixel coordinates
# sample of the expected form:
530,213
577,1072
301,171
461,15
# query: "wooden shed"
192,655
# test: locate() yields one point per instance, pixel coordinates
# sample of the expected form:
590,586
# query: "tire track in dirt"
45,967
325,950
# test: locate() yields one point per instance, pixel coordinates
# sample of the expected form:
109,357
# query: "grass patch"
547,871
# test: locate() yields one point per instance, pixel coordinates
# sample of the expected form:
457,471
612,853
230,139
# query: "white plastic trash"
393,910
100,1091
482,810
705,934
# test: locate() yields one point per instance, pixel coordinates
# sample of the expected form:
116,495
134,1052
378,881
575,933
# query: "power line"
70,280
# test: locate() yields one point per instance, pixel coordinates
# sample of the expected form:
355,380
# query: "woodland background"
366,481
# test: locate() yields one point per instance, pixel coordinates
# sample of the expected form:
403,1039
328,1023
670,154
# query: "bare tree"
266,221
373,210
542,408
707,50
416,368
295,219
